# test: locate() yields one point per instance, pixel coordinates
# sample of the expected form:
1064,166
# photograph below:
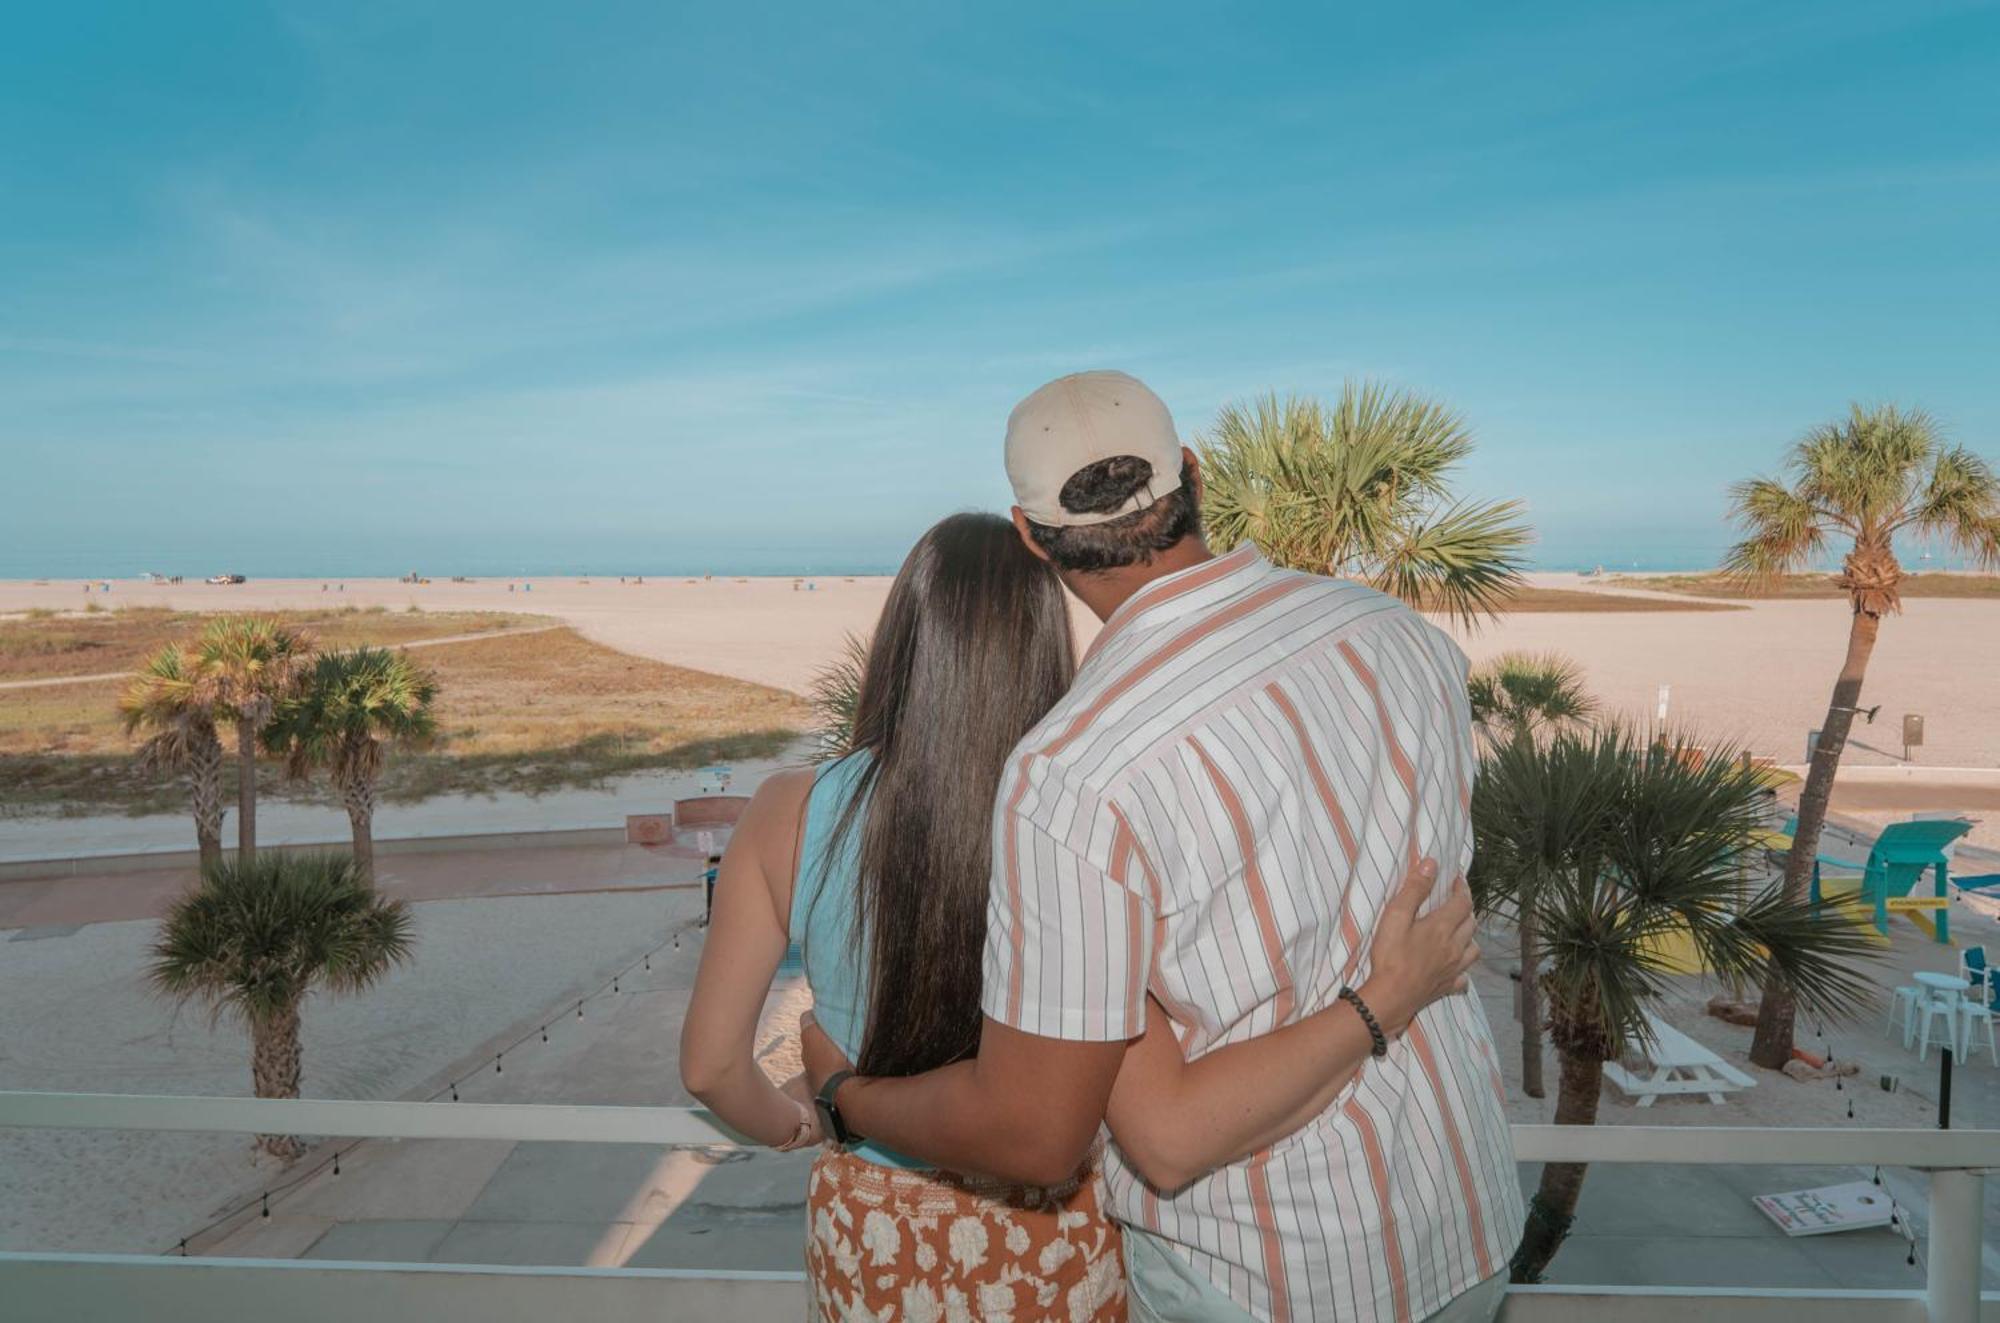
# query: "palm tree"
1516,696
251,939
1631,844
170,699
1361,489
1521,693
1861,481
350,708
253,663
836,693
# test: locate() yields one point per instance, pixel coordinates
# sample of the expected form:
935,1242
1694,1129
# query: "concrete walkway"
290,822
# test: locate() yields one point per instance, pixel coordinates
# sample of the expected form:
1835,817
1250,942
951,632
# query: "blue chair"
1973,965
1896,865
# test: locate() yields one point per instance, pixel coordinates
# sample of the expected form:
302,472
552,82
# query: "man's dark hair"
1130,539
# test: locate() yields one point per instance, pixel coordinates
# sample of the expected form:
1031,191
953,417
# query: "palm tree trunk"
360,800
246,792
1777,1013
1531,1010
275,1068
1553,1208
205,798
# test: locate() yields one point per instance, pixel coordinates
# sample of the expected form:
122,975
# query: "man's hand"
1415,961
822,1059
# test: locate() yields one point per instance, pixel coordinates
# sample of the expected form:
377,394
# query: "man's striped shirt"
1249,763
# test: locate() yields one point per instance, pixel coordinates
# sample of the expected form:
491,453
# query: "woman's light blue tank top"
823,922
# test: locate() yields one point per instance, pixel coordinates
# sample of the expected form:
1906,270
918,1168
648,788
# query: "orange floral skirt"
897,1246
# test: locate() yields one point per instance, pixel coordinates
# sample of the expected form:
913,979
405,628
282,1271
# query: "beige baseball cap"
1075,421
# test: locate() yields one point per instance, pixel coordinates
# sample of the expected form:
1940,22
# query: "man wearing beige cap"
1210,822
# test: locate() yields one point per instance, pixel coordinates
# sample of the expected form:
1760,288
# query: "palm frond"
1520,692
835,697
1617,841
1783,531
347,707
1960,506
1361,488
253,941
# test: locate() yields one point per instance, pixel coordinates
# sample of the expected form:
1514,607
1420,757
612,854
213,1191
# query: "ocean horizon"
134,567
125,564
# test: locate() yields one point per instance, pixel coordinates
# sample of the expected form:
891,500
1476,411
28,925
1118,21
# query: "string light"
263,1200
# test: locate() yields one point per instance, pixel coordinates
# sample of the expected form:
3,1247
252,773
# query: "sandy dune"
1758,676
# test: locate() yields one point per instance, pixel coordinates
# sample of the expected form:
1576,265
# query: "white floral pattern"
933,1247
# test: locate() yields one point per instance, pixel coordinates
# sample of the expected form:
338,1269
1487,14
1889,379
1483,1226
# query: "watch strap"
829,1110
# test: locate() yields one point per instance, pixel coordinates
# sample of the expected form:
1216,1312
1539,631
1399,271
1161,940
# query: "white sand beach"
1759,676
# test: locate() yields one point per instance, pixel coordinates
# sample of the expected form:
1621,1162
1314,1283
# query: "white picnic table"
1680,1065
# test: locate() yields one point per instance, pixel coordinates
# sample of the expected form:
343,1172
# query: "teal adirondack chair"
1896,865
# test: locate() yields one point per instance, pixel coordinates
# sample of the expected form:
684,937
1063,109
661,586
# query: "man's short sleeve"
1068,946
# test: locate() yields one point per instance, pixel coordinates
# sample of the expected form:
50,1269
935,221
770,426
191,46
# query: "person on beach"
877,865
1212,826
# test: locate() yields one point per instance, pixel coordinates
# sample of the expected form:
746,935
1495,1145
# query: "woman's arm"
746,942
1178,1120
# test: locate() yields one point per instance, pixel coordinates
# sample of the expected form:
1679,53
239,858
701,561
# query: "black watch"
830,1119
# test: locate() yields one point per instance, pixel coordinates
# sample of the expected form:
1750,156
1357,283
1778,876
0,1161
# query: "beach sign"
1855,1206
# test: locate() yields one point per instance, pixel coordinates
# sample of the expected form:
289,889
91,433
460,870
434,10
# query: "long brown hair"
973,648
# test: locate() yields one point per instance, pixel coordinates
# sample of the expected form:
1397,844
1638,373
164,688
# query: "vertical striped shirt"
1249,763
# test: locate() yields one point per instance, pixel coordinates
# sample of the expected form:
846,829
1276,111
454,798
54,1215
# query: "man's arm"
1025,1109
1067,958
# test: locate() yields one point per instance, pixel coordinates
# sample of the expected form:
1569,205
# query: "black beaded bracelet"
1353,998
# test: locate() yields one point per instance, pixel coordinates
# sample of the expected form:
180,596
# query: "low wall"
100,865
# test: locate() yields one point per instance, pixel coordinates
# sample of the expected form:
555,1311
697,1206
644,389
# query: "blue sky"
299,287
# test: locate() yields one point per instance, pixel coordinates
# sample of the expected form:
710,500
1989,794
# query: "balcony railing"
71,1287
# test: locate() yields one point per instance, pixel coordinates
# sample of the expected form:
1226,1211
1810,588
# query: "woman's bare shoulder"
782,791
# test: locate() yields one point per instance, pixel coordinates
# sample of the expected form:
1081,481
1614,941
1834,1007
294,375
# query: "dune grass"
43,644
1818,586
1593,601
529,713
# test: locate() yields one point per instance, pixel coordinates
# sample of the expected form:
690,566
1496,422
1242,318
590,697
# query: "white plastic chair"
1903,1005
1937,1004
1976,1006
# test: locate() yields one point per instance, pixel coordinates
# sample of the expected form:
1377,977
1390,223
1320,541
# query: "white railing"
86,1286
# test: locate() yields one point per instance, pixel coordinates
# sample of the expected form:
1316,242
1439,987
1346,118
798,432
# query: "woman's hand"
1414,961
800,1091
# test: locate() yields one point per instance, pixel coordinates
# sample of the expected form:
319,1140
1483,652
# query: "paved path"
49,681
296,822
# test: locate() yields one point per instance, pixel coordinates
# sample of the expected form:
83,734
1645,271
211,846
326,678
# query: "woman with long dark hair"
877,865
